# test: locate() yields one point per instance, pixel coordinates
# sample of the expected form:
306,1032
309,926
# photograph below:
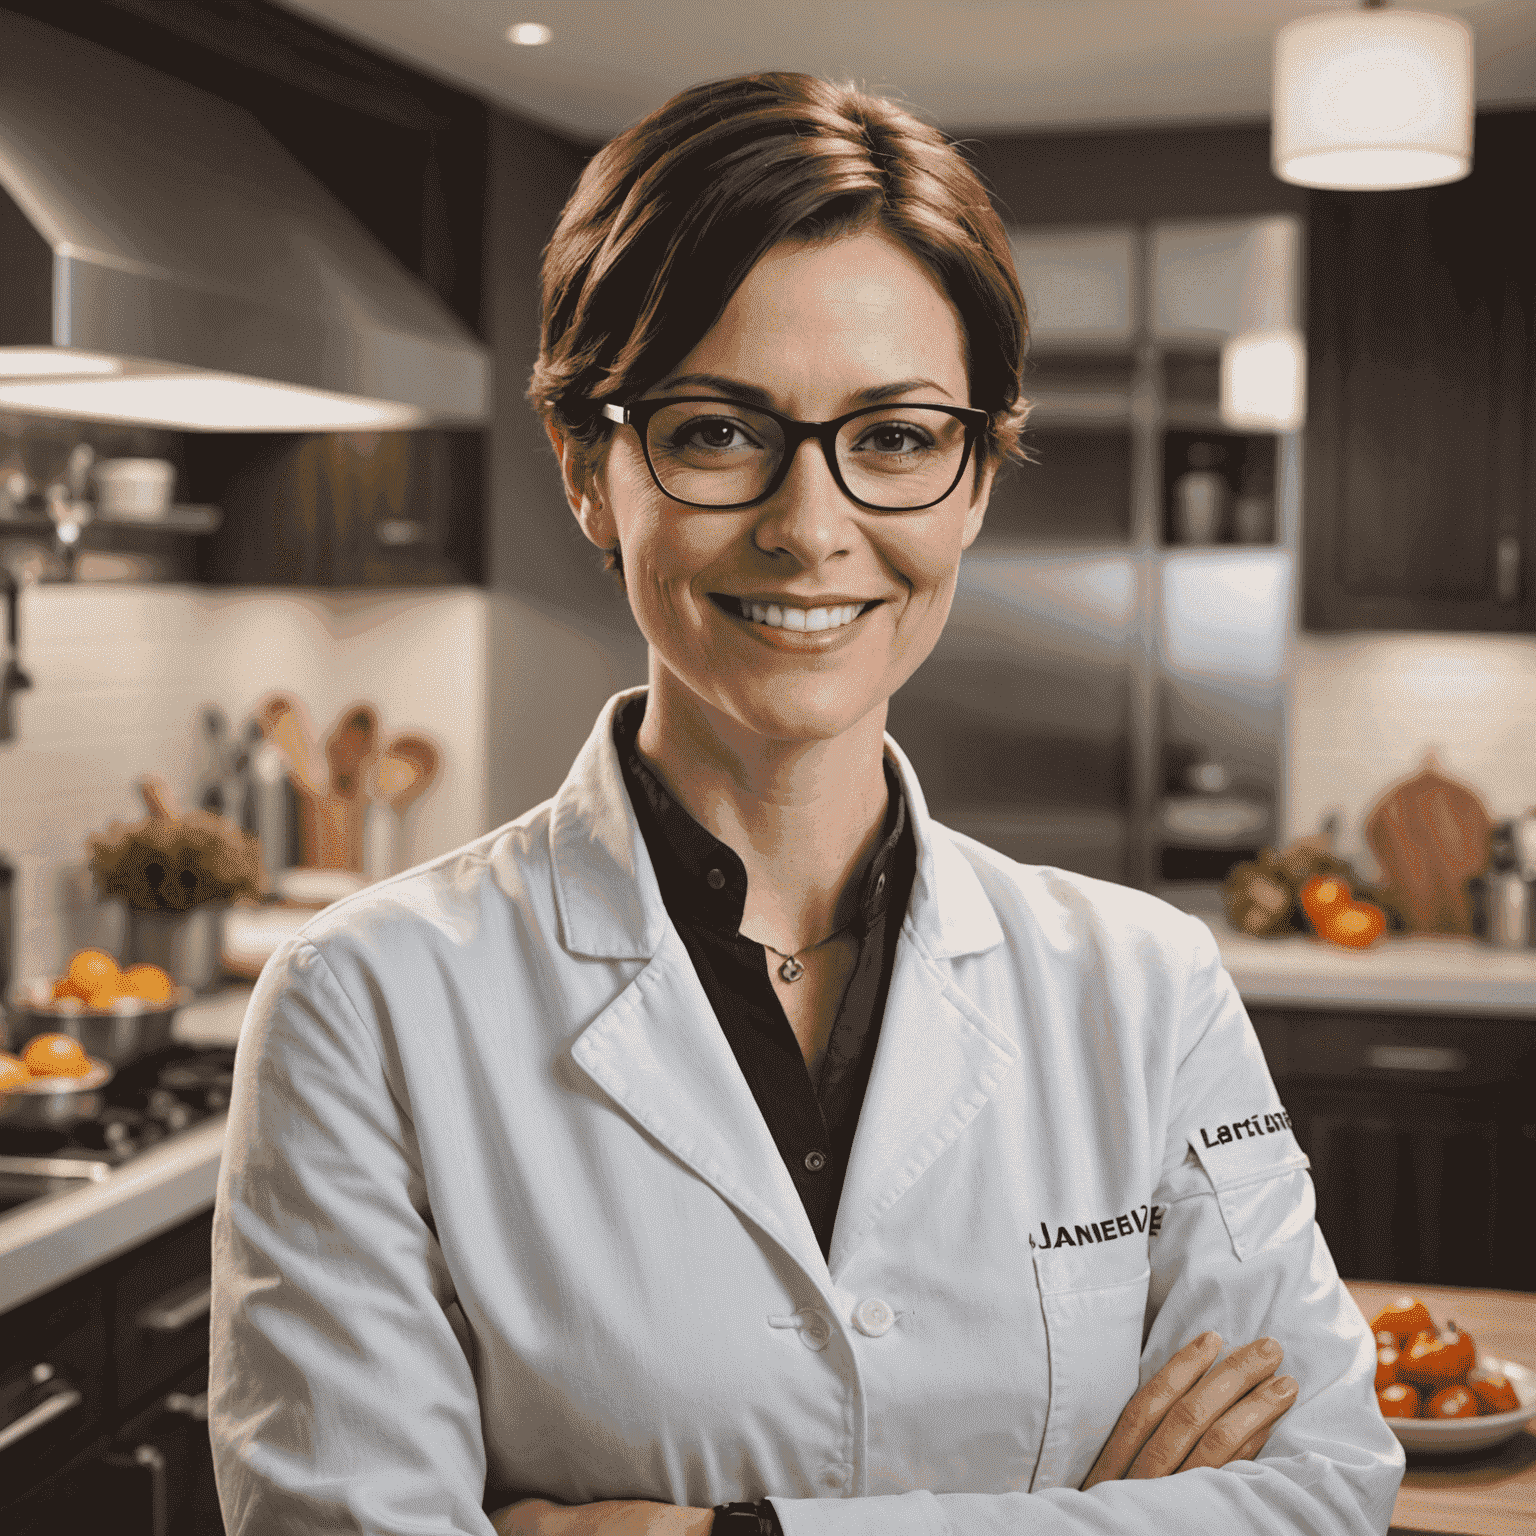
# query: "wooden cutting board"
1430,836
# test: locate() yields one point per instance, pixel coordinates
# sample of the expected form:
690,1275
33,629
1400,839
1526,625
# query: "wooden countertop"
1488,1493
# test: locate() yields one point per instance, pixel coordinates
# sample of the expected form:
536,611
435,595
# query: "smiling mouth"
776,616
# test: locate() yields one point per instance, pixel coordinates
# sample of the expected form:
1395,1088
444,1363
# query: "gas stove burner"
148,1101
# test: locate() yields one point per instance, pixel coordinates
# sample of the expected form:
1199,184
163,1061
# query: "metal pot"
185,945
118,1035
57,1103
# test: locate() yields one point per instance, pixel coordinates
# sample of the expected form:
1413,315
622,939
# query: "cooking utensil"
283,719
57,1103
157,798
350,749
129,1029
403,773
139,489
1431,835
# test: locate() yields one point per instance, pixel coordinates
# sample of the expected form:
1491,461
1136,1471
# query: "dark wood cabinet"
1419,510
1421,1136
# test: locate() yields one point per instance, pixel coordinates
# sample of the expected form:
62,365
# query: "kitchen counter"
46,1242
1488,1493
1421,972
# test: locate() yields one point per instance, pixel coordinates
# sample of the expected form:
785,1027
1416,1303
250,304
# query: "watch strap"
741,1519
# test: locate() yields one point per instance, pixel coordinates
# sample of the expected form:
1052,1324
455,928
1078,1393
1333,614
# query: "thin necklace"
792,970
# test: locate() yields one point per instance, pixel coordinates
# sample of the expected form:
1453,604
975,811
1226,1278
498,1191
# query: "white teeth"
799,618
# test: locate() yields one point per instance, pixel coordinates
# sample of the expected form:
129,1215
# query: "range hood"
166,261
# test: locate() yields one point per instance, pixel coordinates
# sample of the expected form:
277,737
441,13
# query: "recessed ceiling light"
529,34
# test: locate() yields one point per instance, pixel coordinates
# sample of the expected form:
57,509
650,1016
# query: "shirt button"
815,1161
873,1316
715,879
879,884
834,1477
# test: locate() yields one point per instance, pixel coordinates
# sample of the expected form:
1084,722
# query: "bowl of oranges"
1435,1388
116,1015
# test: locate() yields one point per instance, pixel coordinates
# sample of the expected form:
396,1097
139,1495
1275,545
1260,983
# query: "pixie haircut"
669,217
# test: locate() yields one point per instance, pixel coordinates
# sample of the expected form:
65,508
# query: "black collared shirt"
704,887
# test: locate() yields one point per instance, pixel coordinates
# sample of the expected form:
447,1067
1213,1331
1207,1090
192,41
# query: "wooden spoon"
157,797
349,749
402,774
283,720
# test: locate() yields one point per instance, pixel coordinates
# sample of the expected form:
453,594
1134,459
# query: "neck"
804,816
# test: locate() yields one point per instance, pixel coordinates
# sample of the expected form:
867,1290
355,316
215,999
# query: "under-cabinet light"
529,34
206,402
46,362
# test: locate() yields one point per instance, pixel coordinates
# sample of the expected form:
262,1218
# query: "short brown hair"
669,217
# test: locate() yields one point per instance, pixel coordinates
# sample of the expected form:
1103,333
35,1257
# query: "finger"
1250,1448
1145,1411
1189,1418
1253,1415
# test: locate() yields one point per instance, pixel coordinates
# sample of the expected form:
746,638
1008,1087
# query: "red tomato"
1494,1394
1451,1403
1403,1318
1438,1360
1386,1367
1399,1401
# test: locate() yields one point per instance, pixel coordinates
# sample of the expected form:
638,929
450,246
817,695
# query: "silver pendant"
791,970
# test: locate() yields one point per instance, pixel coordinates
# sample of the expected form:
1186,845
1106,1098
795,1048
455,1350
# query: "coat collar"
657,1051
610,904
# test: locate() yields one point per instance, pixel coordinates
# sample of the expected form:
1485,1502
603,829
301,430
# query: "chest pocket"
1095,1303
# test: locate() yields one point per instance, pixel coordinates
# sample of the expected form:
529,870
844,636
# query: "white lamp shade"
1264,381
1373,99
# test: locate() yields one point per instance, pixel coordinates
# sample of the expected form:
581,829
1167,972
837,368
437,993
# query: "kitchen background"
1135,683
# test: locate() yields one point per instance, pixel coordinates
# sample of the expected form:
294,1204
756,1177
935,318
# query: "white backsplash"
1364,709
121,674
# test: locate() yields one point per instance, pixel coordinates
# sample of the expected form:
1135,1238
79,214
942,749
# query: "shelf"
180,519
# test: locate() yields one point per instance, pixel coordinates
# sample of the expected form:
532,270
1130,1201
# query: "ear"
582,476
978,507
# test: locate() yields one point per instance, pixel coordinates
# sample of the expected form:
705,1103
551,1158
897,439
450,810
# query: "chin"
799,712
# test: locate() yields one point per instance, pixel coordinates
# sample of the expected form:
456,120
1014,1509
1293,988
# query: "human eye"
895,438
707,431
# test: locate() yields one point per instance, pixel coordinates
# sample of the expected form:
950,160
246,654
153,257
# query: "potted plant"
176,874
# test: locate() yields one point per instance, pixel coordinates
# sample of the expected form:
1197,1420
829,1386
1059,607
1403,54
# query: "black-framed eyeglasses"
705,451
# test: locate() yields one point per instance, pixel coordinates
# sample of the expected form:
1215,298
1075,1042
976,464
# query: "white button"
873,1316
834,1477
815,1330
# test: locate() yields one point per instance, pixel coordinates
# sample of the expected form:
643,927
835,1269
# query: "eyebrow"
755,395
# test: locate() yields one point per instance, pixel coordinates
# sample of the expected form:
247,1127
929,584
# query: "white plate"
1477,1434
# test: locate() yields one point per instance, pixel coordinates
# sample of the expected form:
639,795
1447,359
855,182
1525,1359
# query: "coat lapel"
940,1058
658,1051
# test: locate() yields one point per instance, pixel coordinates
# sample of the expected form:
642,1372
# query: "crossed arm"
1192,1413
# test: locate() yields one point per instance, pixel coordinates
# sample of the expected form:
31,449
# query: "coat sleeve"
1239,1251
340,1397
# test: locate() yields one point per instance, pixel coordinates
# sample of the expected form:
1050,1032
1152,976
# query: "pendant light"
1372,99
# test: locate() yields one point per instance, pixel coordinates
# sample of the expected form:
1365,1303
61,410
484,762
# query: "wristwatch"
746,1520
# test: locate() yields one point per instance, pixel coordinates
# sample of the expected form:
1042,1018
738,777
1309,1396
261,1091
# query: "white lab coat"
499,1216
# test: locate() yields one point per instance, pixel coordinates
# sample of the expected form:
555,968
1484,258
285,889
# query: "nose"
808,517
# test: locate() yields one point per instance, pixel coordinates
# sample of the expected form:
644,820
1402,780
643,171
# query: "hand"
1184,1418
608,1517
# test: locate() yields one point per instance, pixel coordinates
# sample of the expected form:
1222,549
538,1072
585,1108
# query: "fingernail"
1269,1349
1209,1337
1286,1385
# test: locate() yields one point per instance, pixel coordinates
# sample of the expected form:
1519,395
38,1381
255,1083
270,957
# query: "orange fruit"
1399,1401
1403,1318
56,1056
1451,1403
1494,1393
92,968
146,981
64,987
13,1072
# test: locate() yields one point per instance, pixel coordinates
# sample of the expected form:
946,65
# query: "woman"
724,1145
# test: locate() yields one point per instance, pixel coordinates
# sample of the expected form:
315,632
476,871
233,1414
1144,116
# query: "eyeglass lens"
723,454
